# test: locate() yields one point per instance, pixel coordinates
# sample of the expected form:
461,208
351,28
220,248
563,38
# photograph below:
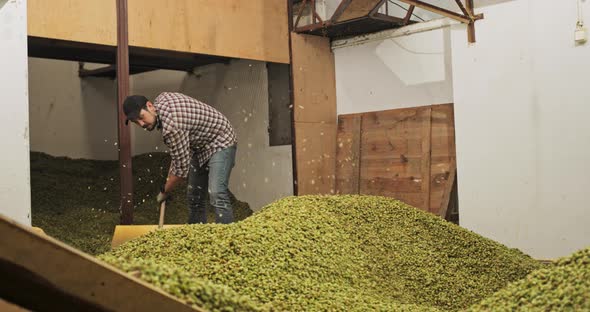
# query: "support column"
126,205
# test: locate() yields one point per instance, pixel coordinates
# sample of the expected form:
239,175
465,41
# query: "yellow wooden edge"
79,274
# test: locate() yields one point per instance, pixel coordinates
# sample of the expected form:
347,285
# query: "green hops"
326,253
564,286
77,200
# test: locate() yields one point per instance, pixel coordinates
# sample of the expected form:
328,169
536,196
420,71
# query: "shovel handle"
162,212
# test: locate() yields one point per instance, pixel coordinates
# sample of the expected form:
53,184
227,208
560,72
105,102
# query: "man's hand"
163,196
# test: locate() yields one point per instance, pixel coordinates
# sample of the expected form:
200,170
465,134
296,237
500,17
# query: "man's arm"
178,142
171,183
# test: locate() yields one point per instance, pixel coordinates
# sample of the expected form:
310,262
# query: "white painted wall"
70,116
399,72
76,118
521,100
523,137
15,186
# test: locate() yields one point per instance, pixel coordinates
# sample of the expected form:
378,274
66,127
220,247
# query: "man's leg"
197,192
220,166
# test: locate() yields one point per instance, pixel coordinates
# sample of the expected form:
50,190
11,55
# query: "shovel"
124,233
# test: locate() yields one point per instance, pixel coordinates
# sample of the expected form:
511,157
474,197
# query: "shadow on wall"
195,85
2,3
99,116
418,59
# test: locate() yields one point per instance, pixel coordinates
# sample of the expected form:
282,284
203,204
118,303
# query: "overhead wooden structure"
42,274
352,17
357,17
253,29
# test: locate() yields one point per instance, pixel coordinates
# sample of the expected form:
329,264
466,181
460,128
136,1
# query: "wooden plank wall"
403,153
314,93
348,154
253,29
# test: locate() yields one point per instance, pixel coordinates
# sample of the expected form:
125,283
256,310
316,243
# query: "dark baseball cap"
133,105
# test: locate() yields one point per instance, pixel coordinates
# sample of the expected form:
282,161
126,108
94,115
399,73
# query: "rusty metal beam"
409,14
316,17
438,10
301,8
471,25
292,99
313,14
388,18
310,27
126,182
463,8
340,9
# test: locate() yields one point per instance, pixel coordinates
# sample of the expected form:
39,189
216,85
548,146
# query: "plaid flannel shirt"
190,126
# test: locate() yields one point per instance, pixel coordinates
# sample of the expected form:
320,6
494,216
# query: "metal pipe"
394,33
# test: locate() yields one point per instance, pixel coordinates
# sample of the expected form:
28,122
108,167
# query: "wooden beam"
42,274
126,177
439,10
444,206
139,58
110,71
425,159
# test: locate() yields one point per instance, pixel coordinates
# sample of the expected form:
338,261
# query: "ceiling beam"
439,10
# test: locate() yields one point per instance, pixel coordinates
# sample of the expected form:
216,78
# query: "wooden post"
444,206
126,205
426,148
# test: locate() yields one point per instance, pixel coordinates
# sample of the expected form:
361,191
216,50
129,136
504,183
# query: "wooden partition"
405,153
253,29
314,88
43,274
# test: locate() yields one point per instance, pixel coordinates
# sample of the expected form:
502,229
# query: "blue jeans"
212,178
